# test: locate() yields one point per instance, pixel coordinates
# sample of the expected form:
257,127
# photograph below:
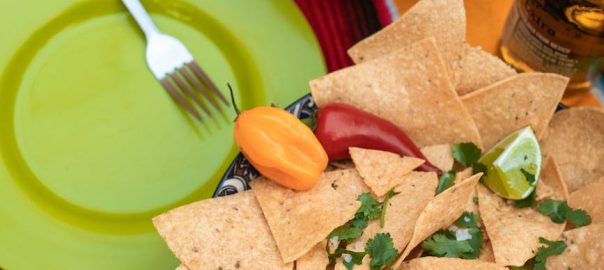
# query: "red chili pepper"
340,126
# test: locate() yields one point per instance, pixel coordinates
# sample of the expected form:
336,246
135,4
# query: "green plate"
91,147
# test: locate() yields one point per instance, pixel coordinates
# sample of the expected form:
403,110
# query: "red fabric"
339,24
383,12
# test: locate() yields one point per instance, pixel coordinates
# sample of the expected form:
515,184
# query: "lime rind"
509,162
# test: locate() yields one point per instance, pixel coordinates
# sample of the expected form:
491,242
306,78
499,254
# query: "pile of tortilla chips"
420,74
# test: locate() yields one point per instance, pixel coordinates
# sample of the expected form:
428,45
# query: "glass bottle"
560,36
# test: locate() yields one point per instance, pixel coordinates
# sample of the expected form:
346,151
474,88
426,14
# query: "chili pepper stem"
237,111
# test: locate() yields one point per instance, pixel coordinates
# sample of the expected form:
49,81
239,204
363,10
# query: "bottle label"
560,36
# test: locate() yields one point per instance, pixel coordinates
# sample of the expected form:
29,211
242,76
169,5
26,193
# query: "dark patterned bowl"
240,172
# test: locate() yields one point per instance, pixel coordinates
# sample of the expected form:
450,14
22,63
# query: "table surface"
486,20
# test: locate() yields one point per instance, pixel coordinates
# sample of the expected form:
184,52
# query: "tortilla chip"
486,252
402,212
430,263
502,220
469,68
590,199
463,175
382,170
439,155
197,234
575,137
440,213
543,191
443,19
300,220
585,249
347,182
315,259
472,204
410,88
480,69
552,178
518,101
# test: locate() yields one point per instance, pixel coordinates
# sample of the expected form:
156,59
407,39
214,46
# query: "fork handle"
141,16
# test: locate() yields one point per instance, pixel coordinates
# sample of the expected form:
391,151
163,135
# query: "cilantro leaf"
475,242
445,181
528,201
449,243
370,207
442,246
578,217
559,211
389,195
468,220
359,222
382,251
479,168
553,209
550,248
346,233
356,258
466,154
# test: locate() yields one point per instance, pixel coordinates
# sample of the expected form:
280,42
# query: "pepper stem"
233,100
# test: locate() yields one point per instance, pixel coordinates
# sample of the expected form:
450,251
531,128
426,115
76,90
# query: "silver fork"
173,65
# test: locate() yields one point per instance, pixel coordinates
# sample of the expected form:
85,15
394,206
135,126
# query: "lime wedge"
513,165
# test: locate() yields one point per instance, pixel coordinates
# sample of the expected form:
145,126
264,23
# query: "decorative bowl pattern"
240,172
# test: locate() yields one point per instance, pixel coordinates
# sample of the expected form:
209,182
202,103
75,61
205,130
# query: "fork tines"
187,82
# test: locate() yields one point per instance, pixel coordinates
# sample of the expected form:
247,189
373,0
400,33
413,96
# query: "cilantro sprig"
467,154
387,198
371,209
445,243
445,181
356,258
382,251
442,244
347,232
559,211
549,248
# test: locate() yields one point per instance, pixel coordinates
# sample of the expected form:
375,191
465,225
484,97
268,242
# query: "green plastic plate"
91,147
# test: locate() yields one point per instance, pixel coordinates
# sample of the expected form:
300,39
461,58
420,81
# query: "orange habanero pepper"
280,147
